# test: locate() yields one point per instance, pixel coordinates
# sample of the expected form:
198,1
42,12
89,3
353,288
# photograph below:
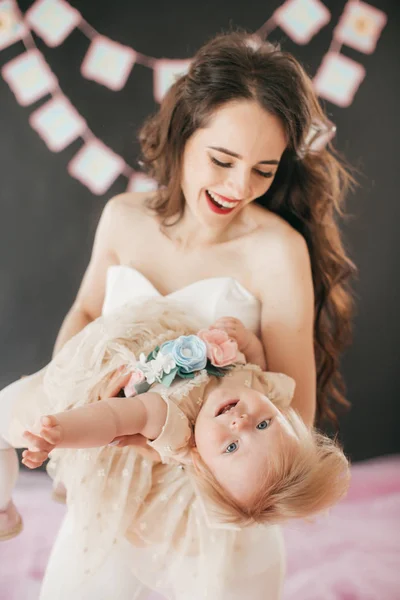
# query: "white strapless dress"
206,299
257,567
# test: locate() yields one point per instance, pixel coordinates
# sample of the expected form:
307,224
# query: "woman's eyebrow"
235,155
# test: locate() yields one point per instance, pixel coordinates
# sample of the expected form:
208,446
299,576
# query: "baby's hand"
236,330
41,444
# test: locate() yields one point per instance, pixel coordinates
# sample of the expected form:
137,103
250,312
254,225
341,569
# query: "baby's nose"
240,421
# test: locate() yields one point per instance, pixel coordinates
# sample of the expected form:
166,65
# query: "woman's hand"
116,382
140,443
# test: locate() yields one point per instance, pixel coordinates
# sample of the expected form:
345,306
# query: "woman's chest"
170,268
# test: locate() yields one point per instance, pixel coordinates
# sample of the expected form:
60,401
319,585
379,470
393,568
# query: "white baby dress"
124,504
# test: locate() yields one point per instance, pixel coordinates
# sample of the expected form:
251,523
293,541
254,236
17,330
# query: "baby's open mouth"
226,407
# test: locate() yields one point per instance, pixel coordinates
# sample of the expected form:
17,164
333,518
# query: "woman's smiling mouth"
220,204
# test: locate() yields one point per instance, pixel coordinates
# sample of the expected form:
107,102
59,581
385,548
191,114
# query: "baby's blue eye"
231,448
264,424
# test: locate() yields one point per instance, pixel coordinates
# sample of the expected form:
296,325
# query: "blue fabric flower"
188,351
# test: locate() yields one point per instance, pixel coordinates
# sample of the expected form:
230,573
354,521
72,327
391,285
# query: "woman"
244,224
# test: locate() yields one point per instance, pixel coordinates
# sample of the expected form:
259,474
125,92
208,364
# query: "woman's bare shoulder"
277,252
126,215
275,234
130,204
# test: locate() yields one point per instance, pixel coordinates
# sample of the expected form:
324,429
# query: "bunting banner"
110,64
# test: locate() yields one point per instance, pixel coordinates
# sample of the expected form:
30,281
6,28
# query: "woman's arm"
89,301
287,320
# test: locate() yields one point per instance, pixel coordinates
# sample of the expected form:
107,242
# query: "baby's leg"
8,473
8,455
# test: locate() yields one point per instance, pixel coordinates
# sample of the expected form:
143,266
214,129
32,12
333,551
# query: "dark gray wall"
47,219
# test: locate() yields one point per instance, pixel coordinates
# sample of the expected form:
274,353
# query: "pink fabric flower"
136,378
221,349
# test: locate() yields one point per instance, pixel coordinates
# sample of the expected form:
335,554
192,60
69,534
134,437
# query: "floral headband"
210,349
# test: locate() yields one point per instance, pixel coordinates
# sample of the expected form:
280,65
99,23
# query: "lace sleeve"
174,441
175,435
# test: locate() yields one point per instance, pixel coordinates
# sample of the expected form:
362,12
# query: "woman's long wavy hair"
307,192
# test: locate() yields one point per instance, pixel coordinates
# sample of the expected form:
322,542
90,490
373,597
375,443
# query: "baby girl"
215,451
197,404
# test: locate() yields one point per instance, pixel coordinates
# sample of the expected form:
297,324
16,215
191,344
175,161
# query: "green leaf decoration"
153,354
185,375
216,371
168,379
142,387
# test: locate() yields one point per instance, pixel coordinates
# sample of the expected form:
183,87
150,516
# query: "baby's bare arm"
254,351
100,423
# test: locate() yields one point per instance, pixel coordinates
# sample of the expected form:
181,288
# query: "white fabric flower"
168,362
155,368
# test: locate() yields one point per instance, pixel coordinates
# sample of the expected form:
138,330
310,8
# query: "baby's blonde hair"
301,480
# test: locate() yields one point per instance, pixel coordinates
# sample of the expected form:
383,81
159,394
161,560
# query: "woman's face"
231,162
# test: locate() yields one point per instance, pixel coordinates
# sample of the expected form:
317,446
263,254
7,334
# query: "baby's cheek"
205,436
200,432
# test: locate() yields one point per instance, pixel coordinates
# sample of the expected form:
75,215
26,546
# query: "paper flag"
108,63
338,79
52,20
58,123
12,28
165,74
96,166
302,19
29,77
360,26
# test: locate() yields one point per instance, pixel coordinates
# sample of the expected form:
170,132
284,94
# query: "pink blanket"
351,554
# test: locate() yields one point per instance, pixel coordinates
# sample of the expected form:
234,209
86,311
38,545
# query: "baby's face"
237,430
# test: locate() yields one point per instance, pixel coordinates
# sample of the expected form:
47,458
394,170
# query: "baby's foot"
10,522
41,444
